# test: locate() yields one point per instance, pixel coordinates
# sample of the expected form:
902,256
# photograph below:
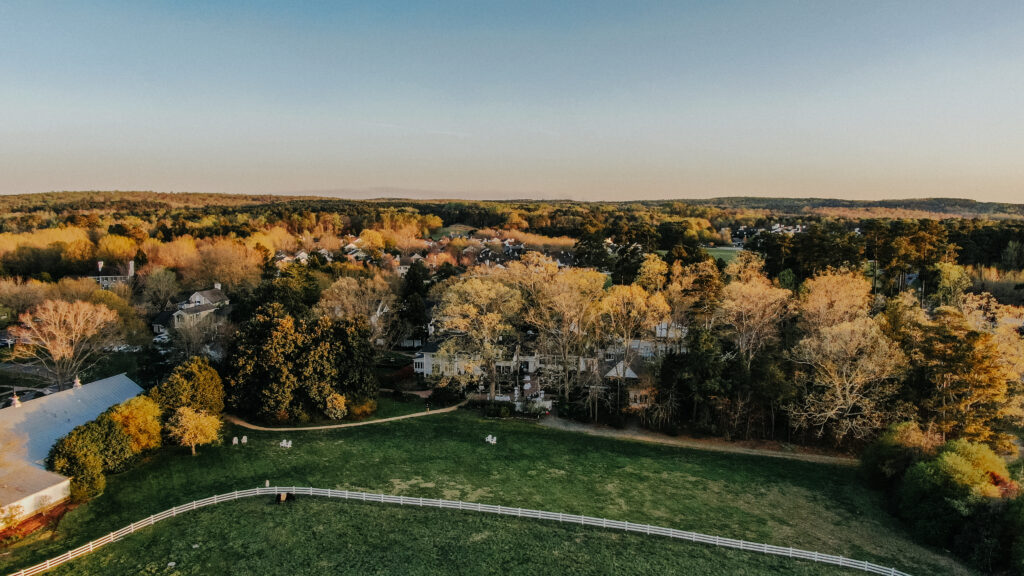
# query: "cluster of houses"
479,251
282,258
744,233
523,372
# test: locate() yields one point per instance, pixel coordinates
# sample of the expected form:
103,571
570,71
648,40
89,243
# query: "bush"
115,444
363,409
442,396
335,408
1015,527
886,460
77,455
92,449
939,496
493,409
139,417
194,384
87,479
535,409
985,538
10,515
573,410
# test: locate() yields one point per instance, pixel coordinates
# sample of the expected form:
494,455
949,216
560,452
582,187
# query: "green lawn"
725,253
388,407
787,503
320,536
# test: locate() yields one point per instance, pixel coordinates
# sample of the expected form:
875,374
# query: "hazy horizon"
580,101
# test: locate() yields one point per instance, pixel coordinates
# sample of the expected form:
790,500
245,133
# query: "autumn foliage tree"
371,300
139,417
66,338
193,428
966,384
831,298
751,309
563,306
629,313
848,373
479,315
846,364
160,288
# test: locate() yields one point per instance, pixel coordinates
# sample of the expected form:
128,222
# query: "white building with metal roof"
38,424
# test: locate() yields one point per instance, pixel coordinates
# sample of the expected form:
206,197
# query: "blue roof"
44,420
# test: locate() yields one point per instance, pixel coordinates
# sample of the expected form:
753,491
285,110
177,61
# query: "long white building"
37,425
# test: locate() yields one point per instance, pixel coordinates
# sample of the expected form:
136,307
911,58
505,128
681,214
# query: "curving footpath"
691,443
471,506
238,421
561,424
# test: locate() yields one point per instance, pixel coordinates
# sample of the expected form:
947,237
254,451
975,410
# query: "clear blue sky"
586,100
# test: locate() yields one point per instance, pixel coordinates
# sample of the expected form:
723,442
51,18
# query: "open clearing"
726,253
812,506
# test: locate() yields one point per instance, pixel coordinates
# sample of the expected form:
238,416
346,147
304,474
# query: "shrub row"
113,441
108,444
958,495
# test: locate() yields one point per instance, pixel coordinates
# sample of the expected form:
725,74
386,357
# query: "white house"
214,296
200,305
39,423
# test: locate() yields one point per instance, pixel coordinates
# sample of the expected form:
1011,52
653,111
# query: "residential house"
200,305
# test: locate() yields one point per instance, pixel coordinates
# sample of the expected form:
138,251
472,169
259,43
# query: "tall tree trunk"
494,381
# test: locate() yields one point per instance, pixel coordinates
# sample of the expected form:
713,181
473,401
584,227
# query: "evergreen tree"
263,371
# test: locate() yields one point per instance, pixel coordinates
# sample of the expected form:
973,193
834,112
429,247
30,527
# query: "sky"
587,100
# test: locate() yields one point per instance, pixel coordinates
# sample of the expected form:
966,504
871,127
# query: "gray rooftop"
19,480
44,420
214,295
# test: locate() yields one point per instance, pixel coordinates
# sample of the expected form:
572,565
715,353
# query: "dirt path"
694,443
562,424
244,424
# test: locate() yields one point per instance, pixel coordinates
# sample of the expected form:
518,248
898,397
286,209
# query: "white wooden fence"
471,506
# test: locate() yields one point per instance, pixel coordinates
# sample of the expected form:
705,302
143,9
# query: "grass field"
357,538
811,506
725,253
388,407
